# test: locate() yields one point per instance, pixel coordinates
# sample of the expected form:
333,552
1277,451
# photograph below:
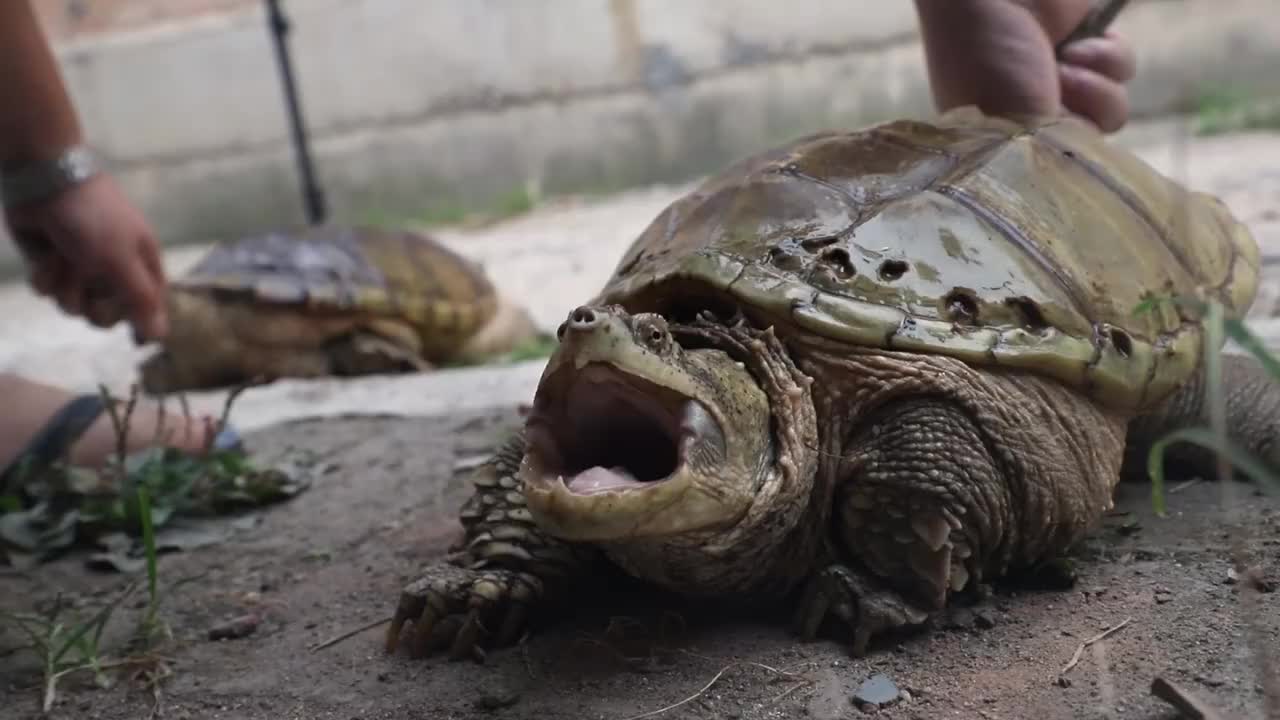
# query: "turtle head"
633,436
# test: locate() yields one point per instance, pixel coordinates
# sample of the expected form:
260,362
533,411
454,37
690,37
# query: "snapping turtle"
858,374
328,300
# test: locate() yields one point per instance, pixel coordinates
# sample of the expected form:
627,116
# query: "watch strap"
42,180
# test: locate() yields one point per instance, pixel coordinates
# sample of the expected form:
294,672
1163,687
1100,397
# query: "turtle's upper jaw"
632,436
611,432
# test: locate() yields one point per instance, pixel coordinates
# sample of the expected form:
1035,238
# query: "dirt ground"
381,506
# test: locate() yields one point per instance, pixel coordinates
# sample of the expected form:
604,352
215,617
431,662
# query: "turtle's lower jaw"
621,457
631,436
629,454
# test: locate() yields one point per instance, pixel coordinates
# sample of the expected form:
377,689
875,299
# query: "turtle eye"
651,331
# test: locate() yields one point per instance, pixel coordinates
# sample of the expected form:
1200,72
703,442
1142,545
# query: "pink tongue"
599,479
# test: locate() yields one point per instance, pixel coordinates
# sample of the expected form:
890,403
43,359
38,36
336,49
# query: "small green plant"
122,497
1226,110
1218,327
538,346
66,646
50,510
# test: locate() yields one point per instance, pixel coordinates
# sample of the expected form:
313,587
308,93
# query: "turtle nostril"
583,318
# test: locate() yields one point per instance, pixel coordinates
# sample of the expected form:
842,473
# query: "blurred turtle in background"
329,301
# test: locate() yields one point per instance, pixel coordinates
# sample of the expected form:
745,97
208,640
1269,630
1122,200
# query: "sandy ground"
335,558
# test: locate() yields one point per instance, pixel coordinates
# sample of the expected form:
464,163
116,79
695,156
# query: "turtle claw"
456,607
867,610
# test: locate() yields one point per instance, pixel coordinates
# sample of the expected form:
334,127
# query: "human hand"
999,55
1092,77
90,249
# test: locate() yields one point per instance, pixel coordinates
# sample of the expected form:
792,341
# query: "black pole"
312,196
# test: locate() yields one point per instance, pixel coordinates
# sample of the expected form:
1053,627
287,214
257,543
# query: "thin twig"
790,690
711,682
186,408
231,399
120,421
1183,486
1075,657
159,438
349,634
689,699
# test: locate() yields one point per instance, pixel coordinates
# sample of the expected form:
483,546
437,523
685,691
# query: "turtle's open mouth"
600,430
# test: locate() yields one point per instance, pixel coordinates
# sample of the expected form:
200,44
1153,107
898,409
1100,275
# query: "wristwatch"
40,181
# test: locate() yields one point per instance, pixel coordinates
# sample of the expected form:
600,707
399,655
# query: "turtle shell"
331,269
1026,243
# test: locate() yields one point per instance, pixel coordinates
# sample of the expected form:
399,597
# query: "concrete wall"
423,106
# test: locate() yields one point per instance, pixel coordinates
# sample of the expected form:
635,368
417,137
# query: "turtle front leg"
938,493
484,595
856,599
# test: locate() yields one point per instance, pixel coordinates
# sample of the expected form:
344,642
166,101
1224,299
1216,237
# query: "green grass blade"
1237,330
1240,458
149,545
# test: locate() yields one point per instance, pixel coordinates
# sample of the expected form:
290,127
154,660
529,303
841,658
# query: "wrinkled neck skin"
772,547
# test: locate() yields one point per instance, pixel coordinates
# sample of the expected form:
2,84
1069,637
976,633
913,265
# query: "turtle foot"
861,604
464,610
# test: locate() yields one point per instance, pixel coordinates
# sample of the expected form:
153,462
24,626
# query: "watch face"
77,165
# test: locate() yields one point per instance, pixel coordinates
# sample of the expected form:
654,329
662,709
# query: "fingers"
154,267
1096,97
69,294
1110,56
1093,73
139,286
102,306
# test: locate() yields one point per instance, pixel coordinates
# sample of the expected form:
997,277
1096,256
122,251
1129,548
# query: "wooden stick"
1186,703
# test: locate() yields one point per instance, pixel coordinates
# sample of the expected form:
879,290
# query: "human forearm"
37,119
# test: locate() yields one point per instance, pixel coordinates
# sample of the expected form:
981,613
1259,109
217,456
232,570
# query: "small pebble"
1162,598
877,690
984,619
235,628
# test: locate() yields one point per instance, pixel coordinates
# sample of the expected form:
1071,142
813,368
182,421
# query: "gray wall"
425,106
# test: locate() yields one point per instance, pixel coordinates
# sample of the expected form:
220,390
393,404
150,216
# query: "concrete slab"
551,259
453,105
